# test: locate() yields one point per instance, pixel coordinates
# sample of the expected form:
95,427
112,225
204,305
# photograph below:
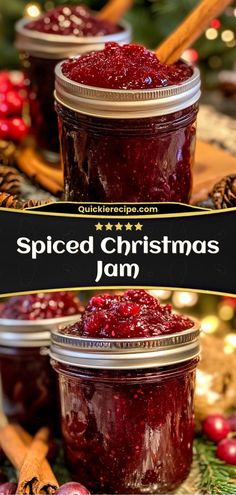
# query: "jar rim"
27,333
136,353
120,103
58,46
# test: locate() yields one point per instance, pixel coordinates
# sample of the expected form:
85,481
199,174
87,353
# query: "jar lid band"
27,333
56,46
126,104
153,352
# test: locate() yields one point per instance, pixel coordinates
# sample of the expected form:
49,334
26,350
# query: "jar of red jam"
127,126
62,32
27,380
126,377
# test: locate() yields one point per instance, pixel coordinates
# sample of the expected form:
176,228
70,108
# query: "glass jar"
127,410
39,53
127,145
28,382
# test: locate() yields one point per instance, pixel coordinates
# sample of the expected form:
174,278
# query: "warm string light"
227,35
230,343
184,299
32,10
161,294
210,324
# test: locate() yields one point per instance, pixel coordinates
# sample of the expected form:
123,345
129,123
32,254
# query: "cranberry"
73,488
124,67
216,427
133,314
232,422
4,128
41,306
5,82
15,102
18,129
226,450
8,488
72,20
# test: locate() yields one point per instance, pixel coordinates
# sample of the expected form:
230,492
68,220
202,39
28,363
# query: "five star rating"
118,227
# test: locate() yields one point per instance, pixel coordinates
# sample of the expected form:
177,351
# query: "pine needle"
217,477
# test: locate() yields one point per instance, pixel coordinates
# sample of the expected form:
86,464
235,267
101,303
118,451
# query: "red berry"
5,82
15,102
216,427
129,309
4,109
18,129
232,422
73,488
226,450
4,129
8,489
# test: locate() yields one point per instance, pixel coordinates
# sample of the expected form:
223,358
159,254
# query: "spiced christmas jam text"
110,245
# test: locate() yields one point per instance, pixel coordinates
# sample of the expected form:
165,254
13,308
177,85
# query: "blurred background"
152,20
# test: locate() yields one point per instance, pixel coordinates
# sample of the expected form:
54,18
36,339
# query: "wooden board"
211,165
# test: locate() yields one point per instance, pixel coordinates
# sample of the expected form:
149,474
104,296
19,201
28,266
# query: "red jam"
75,20
125,67
123,428
41,306
131,315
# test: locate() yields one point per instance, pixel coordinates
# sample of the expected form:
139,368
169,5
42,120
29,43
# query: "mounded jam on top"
130,66
76,20
133,314
41,306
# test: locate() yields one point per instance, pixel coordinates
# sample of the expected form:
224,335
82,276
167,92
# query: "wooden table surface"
211,165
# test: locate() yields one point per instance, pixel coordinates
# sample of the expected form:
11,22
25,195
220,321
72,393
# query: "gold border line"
119,287
121,217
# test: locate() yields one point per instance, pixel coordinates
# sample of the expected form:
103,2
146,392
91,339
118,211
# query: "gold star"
108,226
99,226
118,226
138,226
128,226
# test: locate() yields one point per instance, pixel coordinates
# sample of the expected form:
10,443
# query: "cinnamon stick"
115,9
190,30
35,475
48,177
30,474
12,445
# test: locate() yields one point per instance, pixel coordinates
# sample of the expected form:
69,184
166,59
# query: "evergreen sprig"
217,477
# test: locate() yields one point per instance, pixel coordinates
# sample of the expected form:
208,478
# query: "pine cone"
9,180
7,152
9,201
35,202
223,194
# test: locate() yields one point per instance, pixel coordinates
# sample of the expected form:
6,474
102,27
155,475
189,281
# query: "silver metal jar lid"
126,104
126,353
55,46
25,333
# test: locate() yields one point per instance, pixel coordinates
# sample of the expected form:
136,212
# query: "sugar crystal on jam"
72,20
125,67
134,314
